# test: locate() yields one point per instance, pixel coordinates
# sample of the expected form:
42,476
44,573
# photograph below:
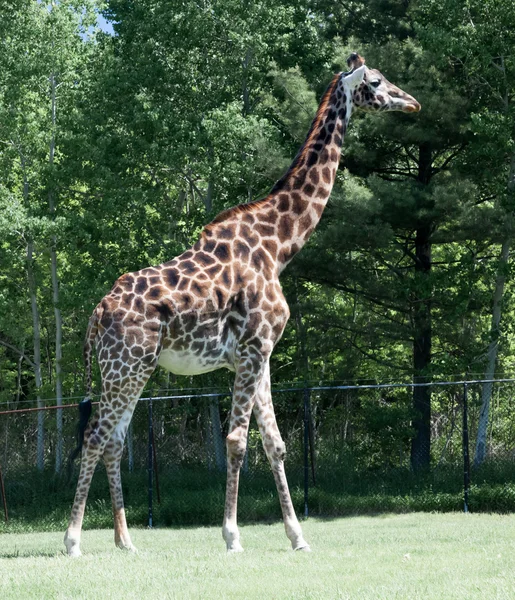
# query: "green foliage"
192,107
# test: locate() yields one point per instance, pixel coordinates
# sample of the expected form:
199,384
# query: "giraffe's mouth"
412,107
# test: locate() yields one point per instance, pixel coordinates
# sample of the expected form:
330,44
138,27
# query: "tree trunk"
18,383
246,110
130,446
498,294
36,335
40,453
494,333
209,444
421,443
491,354
304,361
210,184
209,195
55,297
58,359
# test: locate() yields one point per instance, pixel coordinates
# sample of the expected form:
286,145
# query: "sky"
105,25
102,23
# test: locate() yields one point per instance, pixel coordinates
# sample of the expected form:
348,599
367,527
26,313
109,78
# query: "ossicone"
355,61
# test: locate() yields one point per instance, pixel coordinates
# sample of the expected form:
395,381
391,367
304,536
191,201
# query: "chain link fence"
349,450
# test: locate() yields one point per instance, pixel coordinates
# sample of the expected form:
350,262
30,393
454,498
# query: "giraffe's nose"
413,107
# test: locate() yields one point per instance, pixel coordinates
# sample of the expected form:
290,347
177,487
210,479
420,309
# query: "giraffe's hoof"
127,548
234,547
305,548
72,546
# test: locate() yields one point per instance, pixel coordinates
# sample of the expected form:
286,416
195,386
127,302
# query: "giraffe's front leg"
275,450
236,447
248,377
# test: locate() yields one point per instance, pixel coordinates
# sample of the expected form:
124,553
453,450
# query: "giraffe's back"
197,312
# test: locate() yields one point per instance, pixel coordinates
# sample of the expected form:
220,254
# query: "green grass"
414,556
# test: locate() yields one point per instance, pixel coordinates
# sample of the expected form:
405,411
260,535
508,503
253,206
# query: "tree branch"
374,299
385,363
19,352
447,160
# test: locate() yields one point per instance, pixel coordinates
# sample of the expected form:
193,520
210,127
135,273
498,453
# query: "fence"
348,451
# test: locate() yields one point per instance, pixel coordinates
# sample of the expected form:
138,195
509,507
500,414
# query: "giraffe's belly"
184,363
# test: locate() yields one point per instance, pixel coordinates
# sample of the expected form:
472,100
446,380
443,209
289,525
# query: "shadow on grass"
30,554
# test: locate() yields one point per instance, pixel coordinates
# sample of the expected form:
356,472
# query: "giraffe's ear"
356,77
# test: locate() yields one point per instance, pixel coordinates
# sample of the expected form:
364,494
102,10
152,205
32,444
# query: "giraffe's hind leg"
112,459
105,438
275,450
95,441
248,379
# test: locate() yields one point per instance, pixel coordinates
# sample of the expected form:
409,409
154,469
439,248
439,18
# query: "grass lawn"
433,556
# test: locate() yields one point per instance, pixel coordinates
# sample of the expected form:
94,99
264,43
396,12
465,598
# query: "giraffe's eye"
375,83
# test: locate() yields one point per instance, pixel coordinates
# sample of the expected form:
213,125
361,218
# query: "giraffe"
220,304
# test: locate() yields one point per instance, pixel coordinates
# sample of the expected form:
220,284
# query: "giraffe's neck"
301,195
281,223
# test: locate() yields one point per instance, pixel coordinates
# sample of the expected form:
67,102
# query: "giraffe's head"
375,93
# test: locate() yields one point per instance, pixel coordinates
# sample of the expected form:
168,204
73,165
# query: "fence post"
306,451
466,455
130,446
155,465
150,463
4,499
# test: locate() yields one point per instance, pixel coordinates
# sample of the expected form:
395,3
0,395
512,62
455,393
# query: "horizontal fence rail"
349,450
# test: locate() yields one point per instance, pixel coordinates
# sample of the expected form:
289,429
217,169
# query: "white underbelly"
184,363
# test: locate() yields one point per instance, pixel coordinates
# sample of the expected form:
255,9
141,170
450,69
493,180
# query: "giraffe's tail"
89,344
85,406
84,414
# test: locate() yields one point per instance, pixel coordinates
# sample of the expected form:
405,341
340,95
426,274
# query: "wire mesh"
353,450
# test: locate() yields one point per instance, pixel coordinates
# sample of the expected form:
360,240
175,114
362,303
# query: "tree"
41,50
386,255
478,40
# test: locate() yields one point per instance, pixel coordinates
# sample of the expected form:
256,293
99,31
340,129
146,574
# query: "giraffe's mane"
299,159
252,206
237,210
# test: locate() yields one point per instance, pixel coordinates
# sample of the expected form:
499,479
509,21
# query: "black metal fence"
349,449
